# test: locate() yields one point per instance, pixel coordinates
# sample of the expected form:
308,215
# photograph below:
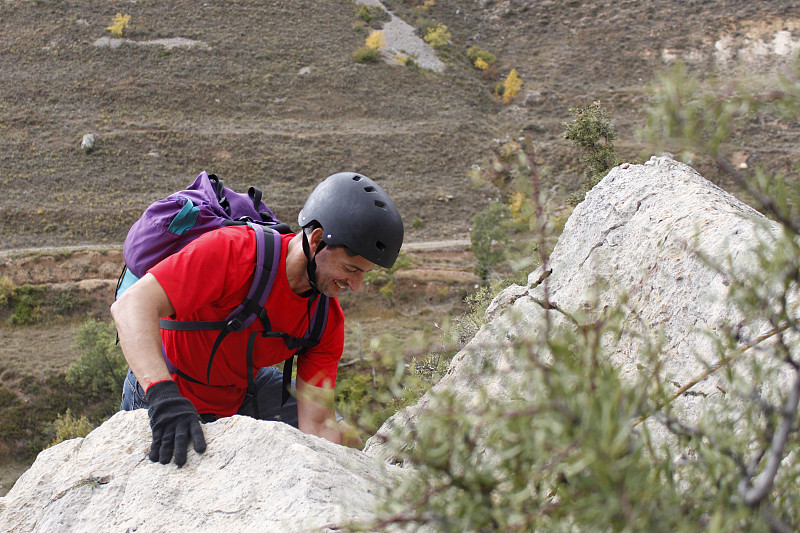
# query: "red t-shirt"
209,278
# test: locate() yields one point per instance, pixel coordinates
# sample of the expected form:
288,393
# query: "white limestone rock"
254,476
637,233
87,143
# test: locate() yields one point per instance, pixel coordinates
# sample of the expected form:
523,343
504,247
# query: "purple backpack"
169,224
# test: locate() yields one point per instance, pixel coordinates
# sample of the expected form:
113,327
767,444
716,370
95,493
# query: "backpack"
169,224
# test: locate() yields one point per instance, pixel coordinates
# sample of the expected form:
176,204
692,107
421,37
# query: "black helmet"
357,213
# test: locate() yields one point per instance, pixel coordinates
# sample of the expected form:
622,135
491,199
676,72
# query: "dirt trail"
444,261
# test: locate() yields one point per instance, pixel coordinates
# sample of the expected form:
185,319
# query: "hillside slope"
271,97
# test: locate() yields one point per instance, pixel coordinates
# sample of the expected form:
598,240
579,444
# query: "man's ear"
314,239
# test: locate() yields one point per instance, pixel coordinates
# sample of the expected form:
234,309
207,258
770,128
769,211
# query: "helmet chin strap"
311,263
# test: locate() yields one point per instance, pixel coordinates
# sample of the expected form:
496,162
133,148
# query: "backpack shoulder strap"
313,335
268,251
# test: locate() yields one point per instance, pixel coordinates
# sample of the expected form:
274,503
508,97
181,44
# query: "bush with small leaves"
511,86
68,426
593,134
100,367
480,58
438,37
563,449
489,238
376,40
363,12
118,24
366,54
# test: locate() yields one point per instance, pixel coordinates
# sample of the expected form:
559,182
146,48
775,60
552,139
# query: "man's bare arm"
316,415
173,419
136,314
315,412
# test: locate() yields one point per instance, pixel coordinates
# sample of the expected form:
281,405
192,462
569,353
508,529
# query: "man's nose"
355,281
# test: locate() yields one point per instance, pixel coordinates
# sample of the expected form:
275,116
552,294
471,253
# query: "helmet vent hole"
369,188
356,178
380,204
380,246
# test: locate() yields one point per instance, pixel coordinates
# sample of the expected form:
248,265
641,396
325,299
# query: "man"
349,225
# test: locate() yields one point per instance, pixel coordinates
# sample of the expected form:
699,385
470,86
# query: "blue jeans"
269,386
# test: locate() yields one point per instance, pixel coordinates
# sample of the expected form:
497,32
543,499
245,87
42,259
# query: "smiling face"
338,271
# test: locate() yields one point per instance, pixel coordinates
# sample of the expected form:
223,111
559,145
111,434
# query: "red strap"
153,383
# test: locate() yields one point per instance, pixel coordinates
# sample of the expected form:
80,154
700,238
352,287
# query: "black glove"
173,420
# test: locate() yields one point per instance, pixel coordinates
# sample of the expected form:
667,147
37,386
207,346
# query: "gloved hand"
173,420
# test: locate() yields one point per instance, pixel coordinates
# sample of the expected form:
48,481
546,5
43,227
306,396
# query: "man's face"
337,271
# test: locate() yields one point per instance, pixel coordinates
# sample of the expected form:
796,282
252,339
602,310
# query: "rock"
169,44
87,143
254,476
637,233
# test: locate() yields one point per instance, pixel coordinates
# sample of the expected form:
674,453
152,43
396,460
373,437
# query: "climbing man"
349,225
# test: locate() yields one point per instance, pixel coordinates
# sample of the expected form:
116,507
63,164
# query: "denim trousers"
268,384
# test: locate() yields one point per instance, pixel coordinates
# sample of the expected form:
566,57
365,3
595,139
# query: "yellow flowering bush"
511,86
438,36
376,40
480,58
118,24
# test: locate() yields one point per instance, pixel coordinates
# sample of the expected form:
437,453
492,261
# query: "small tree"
438,36
100,367
489,237
593,134
511,86
118,24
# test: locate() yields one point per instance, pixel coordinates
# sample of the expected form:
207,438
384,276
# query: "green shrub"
480,57
384,278
438,37
7,397
371,16
593,134
564,450
68,426
8,291
27,300
65,302
489,237
363,12
100,367
366,54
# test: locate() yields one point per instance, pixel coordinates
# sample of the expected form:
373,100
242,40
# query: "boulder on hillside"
254,476
635,237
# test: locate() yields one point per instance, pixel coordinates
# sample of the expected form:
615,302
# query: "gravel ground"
401,39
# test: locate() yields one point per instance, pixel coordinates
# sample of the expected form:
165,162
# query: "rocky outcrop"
254,476
640,237
640,233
